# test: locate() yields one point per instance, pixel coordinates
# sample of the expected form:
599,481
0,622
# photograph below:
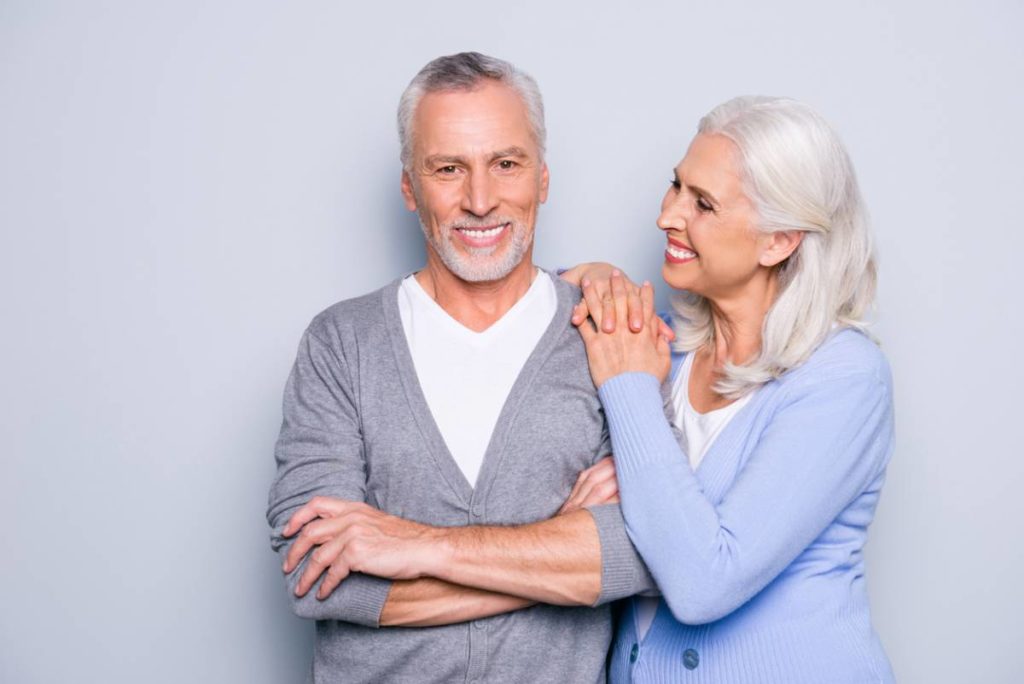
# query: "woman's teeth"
679,253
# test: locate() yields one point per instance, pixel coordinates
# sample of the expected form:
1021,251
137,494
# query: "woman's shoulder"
846,354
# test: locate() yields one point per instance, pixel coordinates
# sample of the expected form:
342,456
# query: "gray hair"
466,71
798,176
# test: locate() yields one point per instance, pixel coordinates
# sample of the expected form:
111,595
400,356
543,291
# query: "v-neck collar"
710,467
438,449
483,337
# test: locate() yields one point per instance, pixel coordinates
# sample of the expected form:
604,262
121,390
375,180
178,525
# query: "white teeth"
680,253
482,234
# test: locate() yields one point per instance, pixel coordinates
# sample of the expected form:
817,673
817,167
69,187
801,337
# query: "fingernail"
647,283
585,282
616,272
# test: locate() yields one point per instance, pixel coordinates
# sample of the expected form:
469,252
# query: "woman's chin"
670,273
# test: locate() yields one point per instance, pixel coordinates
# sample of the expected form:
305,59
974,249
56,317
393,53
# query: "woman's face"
713,248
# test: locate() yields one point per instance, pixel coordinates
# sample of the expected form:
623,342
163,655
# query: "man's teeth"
482,234
680,253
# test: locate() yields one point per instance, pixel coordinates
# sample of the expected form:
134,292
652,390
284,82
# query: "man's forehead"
484,120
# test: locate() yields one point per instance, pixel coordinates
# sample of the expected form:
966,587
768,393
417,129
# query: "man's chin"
492,265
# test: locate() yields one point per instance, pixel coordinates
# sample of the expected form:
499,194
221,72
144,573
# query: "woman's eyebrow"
696,189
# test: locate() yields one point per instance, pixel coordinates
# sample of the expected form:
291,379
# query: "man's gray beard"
474,265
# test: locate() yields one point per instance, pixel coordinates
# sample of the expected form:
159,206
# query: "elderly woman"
751,506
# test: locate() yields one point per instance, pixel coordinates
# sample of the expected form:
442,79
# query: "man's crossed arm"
460,574
452,574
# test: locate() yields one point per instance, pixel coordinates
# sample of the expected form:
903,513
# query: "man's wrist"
438,552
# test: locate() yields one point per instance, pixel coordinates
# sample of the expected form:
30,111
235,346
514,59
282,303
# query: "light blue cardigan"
759,554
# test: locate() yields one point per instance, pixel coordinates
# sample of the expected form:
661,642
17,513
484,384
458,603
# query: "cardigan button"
691,659
478,511
634,652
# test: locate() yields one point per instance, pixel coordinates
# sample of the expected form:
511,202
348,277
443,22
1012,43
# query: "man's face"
476,180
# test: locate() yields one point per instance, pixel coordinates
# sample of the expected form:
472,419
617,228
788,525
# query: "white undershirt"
465,375
701,430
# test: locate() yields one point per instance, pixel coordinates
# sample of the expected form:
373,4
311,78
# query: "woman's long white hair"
799,177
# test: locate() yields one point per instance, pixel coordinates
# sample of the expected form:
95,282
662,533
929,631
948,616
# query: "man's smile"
483,236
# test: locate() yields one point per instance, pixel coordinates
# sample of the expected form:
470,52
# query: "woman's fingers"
580,313
665,330
646,300
593,300
575,274
636,308
587,332
617,302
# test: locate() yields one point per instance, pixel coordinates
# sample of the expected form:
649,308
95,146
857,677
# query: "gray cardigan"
356,426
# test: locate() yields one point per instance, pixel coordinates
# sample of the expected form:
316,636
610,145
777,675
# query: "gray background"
183,185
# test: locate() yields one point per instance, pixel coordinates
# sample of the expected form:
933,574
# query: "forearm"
427,601
557,561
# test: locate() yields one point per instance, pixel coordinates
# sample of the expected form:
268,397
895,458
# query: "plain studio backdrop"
183,185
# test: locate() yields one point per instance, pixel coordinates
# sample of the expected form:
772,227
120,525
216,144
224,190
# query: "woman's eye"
676,185
703,205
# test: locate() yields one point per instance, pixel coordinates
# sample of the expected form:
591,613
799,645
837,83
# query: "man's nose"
480,195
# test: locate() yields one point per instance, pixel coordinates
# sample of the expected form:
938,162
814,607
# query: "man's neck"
477,306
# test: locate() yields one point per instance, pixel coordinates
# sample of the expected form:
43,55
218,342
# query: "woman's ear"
779,246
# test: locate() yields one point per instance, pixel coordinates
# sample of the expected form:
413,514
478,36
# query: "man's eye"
506,165
447,169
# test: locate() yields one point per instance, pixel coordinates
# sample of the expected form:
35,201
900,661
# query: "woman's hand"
595,486
600,274
611,353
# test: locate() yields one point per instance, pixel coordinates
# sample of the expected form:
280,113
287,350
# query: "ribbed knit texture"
758,554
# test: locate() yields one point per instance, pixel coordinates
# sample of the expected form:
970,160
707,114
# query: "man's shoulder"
362,314
564,289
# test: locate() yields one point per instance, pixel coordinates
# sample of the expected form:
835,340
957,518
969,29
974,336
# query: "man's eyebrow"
436,159
509,152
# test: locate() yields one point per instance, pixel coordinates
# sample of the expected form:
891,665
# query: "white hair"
467,71
798,176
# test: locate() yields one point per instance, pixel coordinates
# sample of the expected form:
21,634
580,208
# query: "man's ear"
407,193
781,244
544,180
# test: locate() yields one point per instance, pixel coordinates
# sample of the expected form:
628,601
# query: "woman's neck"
739,320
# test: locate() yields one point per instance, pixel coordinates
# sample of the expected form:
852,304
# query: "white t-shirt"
701,430
465,375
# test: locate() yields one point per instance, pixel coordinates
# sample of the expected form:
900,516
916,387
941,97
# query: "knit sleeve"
623,572
830,436
320,453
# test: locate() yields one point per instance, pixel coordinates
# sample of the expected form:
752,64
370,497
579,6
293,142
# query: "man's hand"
596,485
351,536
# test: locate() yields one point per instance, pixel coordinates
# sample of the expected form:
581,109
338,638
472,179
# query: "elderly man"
433,429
